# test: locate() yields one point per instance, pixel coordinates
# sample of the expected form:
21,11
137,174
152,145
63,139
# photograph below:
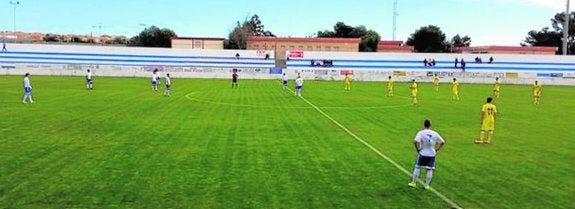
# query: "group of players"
427,142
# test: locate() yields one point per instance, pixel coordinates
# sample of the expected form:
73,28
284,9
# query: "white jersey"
427,140
168,81
155,77
89,75
299,81
27,82
285,77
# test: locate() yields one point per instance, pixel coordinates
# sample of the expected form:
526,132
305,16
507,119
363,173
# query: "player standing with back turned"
488,116
427,142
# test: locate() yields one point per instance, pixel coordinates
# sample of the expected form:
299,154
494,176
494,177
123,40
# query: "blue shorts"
425,161
234,80
27,90
88,81
298,87
154,83
167,87
285,82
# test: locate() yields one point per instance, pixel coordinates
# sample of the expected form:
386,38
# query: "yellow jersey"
496,86
489,110
347,79
390,84
436,80
413,88
537,89
455,86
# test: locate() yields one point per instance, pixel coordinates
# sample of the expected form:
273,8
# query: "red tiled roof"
397,43
306,40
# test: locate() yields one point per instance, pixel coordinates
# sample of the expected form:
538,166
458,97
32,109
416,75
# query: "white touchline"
443,197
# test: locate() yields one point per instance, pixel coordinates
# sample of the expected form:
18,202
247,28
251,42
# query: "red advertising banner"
295,54
343,72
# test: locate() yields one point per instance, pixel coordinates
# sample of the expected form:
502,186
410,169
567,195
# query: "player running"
89,84
389,86
496,88
235,77
27,89
347,82
427,143
436,82
168,85
537,88
413,88
285,81
455,90
488,117
298,85
155,80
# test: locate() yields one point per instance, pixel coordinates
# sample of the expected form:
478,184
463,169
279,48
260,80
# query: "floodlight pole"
14,4
566,29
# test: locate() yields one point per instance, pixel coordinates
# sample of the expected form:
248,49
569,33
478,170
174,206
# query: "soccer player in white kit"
168,85
298,85
427,142
285,81
27,89
89,84
155,80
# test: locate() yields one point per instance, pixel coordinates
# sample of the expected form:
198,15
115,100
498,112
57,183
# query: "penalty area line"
387,158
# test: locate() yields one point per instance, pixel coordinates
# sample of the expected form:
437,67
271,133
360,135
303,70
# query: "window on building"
256,46
336,48
318,48
300,48
328,48
291,47
309,48
283,46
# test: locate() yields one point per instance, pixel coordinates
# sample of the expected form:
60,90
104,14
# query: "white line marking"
443,197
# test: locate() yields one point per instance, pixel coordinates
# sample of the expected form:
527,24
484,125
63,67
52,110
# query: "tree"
237,39
458,41
153,37
428,39
554,38
369,38
369,41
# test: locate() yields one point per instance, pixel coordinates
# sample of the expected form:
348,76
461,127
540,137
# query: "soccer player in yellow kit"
413,88
455,90
436,82
389,87
347,82
488,116
537,88
496,88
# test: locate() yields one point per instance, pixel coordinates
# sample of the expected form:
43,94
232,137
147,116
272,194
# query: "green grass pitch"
258,146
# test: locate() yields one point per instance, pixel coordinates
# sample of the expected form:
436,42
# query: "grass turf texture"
210,146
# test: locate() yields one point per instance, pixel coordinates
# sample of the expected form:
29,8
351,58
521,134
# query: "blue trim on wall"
437,62
126,55
130,60
134,65
439,68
